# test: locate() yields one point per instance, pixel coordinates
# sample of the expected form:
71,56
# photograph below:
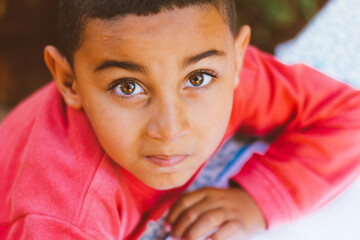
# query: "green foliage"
274,21
275,11
283,12
308,8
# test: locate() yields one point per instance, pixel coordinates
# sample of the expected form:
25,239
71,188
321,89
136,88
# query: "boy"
145,93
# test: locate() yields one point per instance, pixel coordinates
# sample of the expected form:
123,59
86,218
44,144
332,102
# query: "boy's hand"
232,211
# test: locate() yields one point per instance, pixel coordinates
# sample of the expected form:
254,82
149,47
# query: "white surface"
339,220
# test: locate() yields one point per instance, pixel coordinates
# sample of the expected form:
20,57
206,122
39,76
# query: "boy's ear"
63,76
242,41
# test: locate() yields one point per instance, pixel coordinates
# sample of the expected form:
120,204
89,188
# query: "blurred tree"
6,82
275,21
26,26
2,8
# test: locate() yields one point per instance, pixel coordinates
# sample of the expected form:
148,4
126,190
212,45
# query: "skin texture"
232,211
164,130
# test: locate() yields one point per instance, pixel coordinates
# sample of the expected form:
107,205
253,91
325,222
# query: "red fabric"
317,123
57,183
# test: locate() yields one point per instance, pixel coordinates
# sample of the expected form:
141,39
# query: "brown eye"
196,79
127,87
199,79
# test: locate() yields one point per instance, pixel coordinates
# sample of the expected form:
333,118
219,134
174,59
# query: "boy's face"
158,90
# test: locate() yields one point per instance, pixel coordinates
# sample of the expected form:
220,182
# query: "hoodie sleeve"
314,122
40,227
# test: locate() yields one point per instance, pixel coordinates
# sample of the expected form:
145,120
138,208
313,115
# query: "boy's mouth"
167,160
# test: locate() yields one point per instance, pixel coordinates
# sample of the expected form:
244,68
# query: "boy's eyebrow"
211,53
130,66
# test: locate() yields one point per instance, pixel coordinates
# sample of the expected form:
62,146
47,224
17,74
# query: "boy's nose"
168,122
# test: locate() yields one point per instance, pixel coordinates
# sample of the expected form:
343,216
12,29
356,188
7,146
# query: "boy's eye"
128,87
198,79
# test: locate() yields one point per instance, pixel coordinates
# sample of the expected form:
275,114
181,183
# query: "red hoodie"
56,182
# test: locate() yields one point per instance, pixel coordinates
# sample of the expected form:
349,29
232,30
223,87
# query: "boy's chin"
167,184
167,187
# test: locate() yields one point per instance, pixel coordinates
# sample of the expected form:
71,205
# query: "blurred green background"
26,26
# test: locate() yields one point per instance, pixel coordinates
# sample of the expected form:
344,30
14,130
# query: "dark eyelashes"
205,71
116,83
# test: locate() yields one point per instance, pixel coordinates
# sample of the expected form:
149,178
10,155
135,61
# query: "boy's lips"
167,160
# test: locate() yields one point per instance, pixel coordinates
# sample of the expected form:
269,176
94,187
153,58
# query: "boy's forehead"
196,26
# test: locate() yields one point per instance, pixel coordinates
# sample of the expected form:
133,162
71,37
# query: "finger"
182,204
230,230
191,215
205,223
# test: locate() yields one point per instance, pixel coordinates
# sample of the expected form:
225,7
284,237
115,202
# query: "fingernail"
167,227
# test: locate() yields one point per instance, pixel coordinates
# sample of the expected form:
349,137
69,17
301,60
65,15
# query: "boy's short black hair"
73,15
